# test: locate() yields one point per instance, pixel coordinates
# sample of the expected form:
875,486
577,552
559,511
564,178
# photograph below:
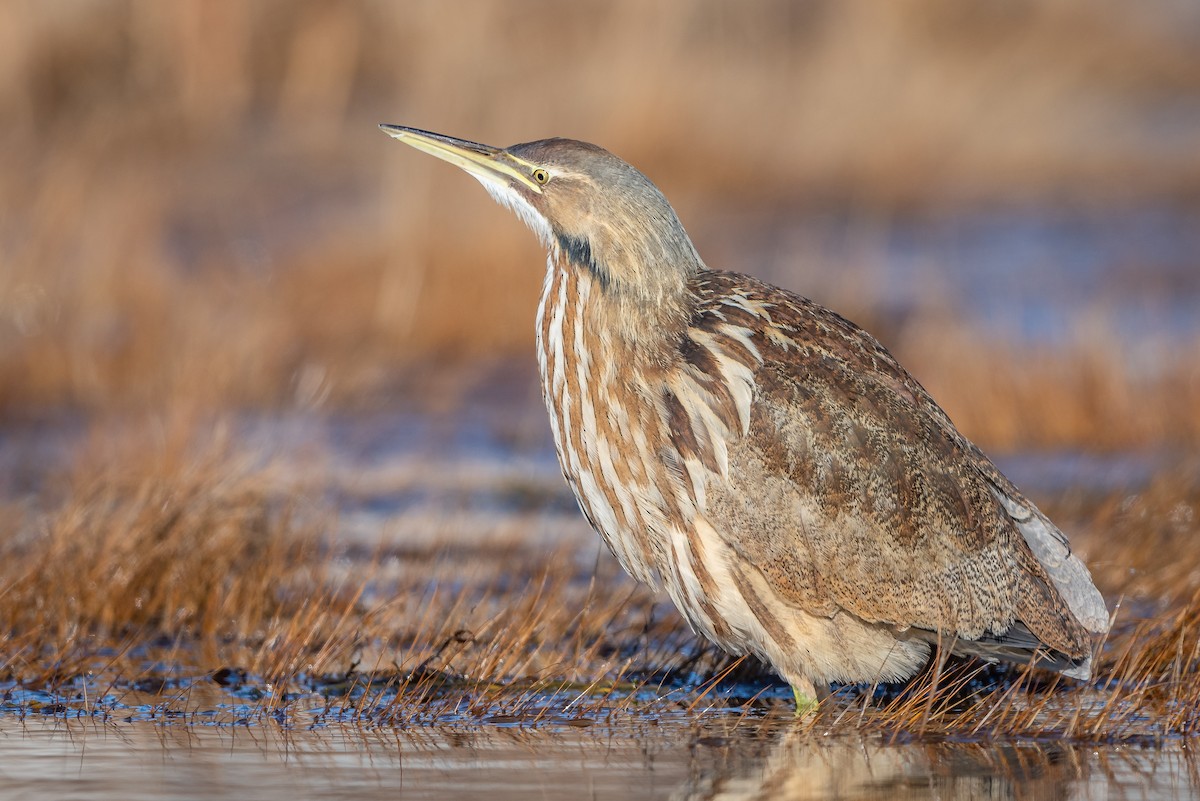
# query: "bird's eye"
541,176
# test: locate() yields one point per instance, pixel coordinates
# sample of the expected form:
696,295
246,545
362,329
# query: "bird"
761,459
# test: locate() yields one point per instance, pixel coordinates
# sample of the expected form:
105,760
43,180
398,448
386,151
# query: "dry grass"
197,209
180,581
144,546
1093,394
168,563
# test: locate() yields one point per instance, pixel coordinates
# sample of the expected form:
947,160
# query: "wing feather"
867,499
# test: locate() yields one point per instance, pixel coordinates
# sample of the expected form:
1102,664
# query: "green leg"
808,697
805,704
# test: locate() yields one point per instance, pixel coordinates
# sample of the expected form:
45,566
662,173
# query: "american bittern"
796,492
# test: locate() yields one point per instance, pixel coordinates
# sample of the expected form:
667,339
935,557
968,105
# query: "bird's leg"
808,696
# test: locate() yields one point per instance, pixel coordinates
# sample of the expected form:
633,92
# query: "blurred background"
197,210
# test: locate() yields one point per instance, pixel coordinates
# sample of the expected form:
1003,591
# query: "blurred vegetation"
197,208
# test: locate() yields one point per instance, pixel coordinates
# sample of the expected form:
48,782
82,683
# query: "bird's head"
585,204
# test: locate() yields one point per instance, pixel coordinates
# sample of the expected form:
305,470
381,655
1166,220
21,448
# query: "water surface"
717,759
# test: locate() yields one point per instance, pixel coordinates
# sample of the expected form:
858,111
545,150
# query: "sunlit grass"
182,580
199,210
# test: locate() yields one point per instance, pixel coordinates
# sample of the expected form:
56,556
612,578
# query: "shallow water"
719,759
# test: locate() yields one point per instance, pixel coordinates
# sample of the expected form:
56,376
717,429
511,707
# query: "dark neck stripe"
579,252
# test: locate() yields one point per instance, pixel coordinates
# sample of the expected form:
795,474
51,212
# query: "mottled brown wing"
875,504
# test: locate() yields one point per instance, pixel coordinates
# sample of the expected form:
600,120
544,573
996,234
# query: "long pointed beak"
490,164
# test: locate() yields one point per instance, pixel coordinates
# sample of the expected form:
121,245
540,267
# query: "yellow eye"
541,176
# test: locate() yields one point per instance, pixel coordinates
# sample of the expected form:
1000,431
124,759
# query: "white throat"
508,197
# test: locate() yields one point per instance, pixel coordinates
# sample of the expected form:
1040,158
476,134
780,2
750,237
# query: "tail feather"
1067,571
1019,646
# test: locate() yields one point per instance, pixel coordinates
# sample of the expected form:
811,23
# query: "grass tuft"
179,578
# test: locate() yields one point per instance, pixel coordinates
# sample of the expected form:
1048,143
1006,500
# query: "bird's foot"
808,698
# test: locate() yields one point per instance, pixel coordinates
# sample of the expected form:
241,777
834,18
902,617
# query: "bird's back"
893,516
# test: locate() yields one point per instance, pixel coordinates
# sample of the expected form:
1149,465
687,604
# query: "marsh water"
431,477
698,760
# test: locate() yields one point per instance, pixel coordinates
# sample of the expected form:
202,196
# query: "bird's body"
766,462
